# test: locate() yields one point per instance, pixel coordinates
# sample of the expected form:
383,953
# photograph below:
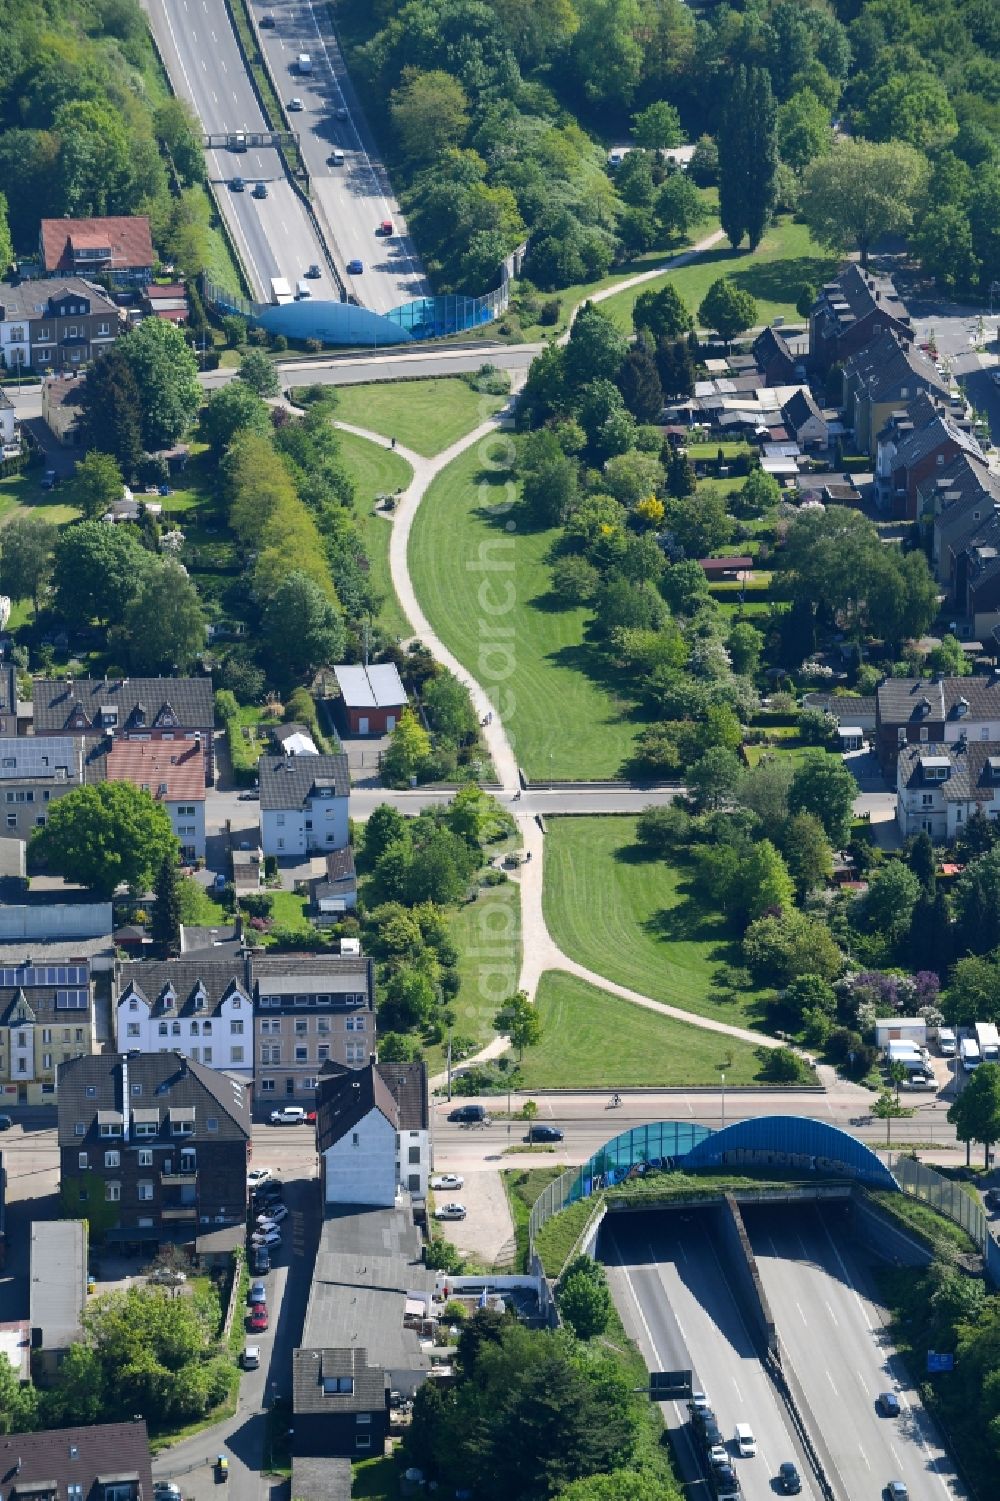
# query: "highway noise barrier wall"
884,1235
735,1247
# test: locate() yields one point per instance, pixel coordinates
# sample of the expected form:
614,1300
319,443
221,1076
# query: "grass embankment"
492,607
376,471
941,1234
557,1237
649,1049
522,1189
425,415
637,921
487,935
774,274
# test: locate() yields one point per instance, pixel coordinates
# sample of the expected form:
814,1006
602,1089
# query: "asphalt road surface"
674,1299
819,1285
274,236
352,199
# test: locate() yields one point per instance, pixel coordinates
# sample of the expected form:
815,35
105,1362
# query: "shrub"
549,312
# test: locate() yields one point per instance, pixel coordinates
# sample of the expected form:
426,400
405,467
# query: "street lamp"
723,1078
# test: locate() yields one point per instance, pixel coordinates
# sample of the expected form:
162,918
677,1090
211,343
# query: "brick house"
774,358
105,1462
880,379
62,409
46,1020
924,711
917,441
373,1133
939,788
956,502
174,774
803,420
849,311
201,1008
303,804
161,1137
309,1009
372,698
120,248
143,709
46,326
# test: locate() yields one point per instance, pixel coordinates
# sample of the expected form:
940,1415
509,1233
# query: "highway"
674,1299
819,1286
353,199
274,236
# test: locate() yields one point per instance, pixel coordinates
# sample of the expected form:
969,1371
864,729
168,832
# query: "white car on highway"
448,1180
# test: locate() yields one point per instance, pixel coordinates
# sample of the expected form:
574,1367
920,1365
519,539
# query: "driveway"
487,1232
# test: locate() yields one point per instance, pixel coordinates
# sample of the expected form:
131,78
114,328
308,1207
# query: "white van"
746,1444
304,63
947,1042
251,1357
302,291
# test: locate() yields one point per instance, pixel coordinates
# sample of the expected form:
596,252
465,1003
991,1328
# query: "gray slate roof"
970,777
901,701
77,1456
846,707
931,428
288,781
166,1081
150,979
798,409
31,299
345,1096
863,291
885,369
312,1369
56,700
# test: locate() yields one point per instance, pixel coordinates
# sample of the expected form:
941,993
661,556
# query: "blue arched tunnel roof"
790,1141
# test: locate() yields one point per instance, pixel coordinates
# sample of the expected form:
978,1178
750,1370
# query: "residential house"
956,502
309,1009
104,1462
143,709
201,1008
882,377
846,708
372,698
167,302
340,1403
46,326
919,440
172,772
940,787
938,711
803,420
165,1139
774,358
120,248
62,409
8,700
58,1292
303,804
10,442
46,1020
35,771
336,891
977,583
849,311
372,1132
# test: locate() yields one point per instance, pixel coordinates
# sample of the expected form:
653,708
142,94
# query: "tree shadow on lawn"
781,281
593,665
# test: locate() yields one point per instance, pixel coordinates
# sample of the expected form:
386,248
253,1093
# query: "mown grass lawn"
636,921
23,493
487,934
484,584
576,1049
425,415
774,273
376,471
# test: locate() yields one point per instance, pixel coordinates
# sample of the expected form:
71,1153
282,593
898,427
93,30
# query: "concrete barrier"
881,1233
735,1247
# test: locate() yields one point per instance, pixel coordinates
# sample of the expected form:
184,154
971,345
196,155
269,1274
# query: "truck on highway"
281,292
988,1039
304,63
968,1051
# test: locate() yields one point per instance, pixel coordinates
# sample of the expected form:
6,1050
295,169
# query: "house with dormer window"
147,710
46,1018
939,789
105,1462
173,773
303,804
202,1009
934,711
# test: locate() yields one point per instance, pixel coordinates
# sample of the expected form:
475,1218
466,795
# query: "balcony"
180,1178
179,1212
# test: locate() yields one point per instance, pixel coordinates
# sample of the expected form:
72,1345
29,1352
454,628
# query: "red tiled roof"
129,238
177,764
175,289
726,564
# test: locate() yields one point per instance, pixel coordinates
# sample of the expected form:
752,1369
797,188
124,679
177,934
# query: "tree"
759,493
700,523
430,112
596,348
713,779
575,580
662,312
861,191
949,658
976,1112
657,126
923,862
893,892
27,545
235,408
803,127
167,596
763,790
584,1298
102,836
779,949
18,1400
303,629
178,128
385,827
549,491
974,990
748,157
166,374
408,751
679,207
633,476
808,994
259,373
639,383
96,571
807,853
744,645
6,243
822,785
166,919
765,884
97,484
977,903
887,1108
519,1020
728,309
112,408
449,708
703,167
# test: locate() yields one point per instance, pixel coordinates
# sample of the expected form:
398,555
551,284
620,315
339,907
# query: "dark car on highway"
789,1479
6,1124
468,1115
888,1404
544,1133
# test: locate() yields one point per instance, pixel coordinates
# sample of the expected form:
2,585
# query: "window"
104,328
46,1060
132,1030
147,1128
927,799
236,1029
414,1155
145,1157
112,1193
212,1123
363,1441
112,1159
206,1055
302,1055
145,1190
323,1052
79,1129
12,820
923,732
281,820
111,1128
175,1029
83,1160
301,1027
236,1054
267,1086
46,1034
355,1139
322,1024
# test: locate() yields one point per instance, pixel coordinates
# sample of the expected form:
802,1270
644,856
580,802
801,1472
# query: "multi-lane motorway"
274,235
352,199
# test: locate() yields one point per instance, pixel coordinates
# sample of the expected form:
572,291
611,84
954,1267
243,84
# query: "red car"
258,1318
310,1117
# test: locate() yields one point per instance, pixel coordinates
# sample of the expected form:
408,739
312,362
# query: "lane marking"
739,1394
833,1316
864,1456
802,1315
833,1384
892,1451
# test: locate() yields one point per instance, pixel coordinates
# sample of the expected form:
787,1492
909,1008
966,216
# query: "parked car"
166,1276
544,1133
260,1261
267,22
257,1293
274,1213
288,1115
698,1402
221,1469
746,1444
256,1176
269,1191
336,158
448,1180
991,1198
896,1491
266,1237
49,479
165,1490
260,190
888,1404
295,105
251,1360
258,1318
355,267
6,1124
789,1479
452,1211
718,1454
248,797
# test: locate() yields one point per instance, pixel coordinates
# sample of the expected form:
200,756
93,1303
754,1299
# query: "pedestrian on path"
393,443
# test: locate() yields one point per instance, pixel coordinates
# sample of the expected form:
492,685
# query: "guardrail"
948,1198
